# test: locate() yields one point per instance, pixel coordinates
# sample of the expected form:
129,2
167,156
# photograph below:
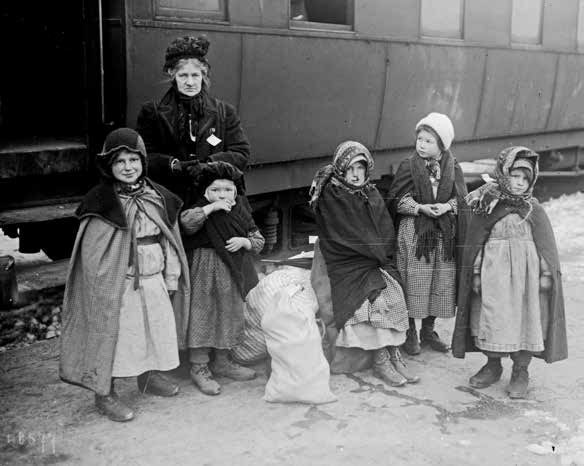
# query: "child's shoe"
400,366
430,338
223,366
411,345
488,374
155,383
383,369
519,382
111,406
203,379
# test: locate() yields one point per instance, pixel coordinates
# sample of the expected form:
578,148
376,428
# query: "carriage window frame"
436,33
580,27
221,15
517,39
318,25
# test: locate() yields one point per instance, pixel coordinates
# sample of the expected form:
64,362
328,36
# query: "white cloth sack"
260,299
300,372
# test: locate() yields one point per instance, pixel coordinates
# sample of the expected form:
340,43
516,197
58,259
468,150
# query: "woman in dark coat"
188,127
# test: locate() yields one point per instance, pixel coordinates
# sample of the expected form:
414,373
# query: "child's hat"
441,125
118,139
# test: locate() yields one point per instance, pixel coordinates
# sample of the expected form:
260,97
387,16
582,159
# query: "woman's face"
427,145
356,173
221,190
518,181
189,79
127,167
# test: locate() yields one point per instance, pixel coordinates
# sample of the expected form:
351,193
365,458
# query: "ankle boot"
412,345
384,369
155,383
111,406
519,382
203,379
223,366
429,337
400,366
488,374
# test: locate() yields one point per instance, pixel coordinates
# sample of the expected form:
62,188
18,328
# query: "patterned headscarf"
346,154
484,199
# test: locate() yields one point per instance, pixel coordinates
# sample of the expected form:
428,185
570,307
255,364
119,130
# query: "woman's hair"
196,62
433,133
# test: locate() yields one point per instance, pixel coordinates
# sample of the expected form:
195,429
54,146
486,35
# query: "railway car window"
192,9
581,26
442,18
526,21
327,14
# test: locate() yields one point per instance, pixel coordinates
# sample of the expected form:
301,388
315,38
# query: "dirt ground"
440,421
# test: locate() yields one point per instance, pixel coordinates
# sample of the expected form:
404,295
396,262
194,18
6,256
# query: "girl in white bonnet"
427,201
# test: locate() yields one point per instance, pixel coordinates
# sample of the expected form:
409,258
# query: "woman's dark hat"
186,47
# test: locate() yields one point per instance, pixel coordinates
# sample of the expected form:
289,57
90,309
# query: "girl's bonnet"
121,138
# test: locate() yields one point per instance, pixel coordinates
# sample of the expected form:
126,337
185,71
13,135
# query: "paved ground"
439,421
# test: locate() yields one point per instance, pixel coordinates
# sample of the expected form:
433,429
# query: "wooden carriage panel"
517,95
302,96
425,78
569,94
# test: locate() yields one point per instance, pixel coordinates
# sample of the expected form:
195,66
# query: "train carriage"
304,75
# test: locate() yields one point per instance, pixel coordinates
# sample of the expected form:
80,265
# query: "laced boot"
155,383
488,374
112,407
203,379
412,344
519,382
429,337
384,370
223,366
400,366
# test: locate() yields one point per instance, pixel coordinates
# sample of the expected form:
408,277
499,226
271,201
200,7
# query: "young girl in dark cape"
510,299
118,316
356,237
427,200
219,235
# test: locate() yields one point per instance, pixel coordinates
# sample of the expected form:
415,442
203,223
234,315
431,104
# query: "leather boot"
488,374
203,379
519,382
223,366
398,363
412,345
384,369
112,407
155,383
428,337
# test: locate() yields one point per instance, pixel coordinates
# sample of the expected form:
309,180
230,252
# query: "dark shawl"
478,233
412,177
357,238
218,228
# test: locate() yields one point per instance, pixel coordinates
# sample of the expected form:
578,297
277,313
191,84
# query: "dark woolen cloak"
556,347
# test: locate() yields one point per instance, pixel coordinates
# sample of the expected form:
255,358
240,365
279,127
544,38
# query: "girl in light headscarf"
356,237
510,299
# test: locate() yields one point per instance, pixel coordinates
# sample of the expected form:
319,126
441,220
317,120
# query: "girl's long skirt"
216,303
147,335
430,287
378,324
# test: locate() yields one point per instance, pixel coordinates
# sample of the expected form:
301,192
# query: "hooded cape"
556,347
96,280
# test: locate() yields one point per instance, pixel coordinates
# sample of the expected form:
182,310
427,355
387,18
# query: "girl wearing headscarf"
219,236
510,299
356,237
189,127
127,287
427,200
